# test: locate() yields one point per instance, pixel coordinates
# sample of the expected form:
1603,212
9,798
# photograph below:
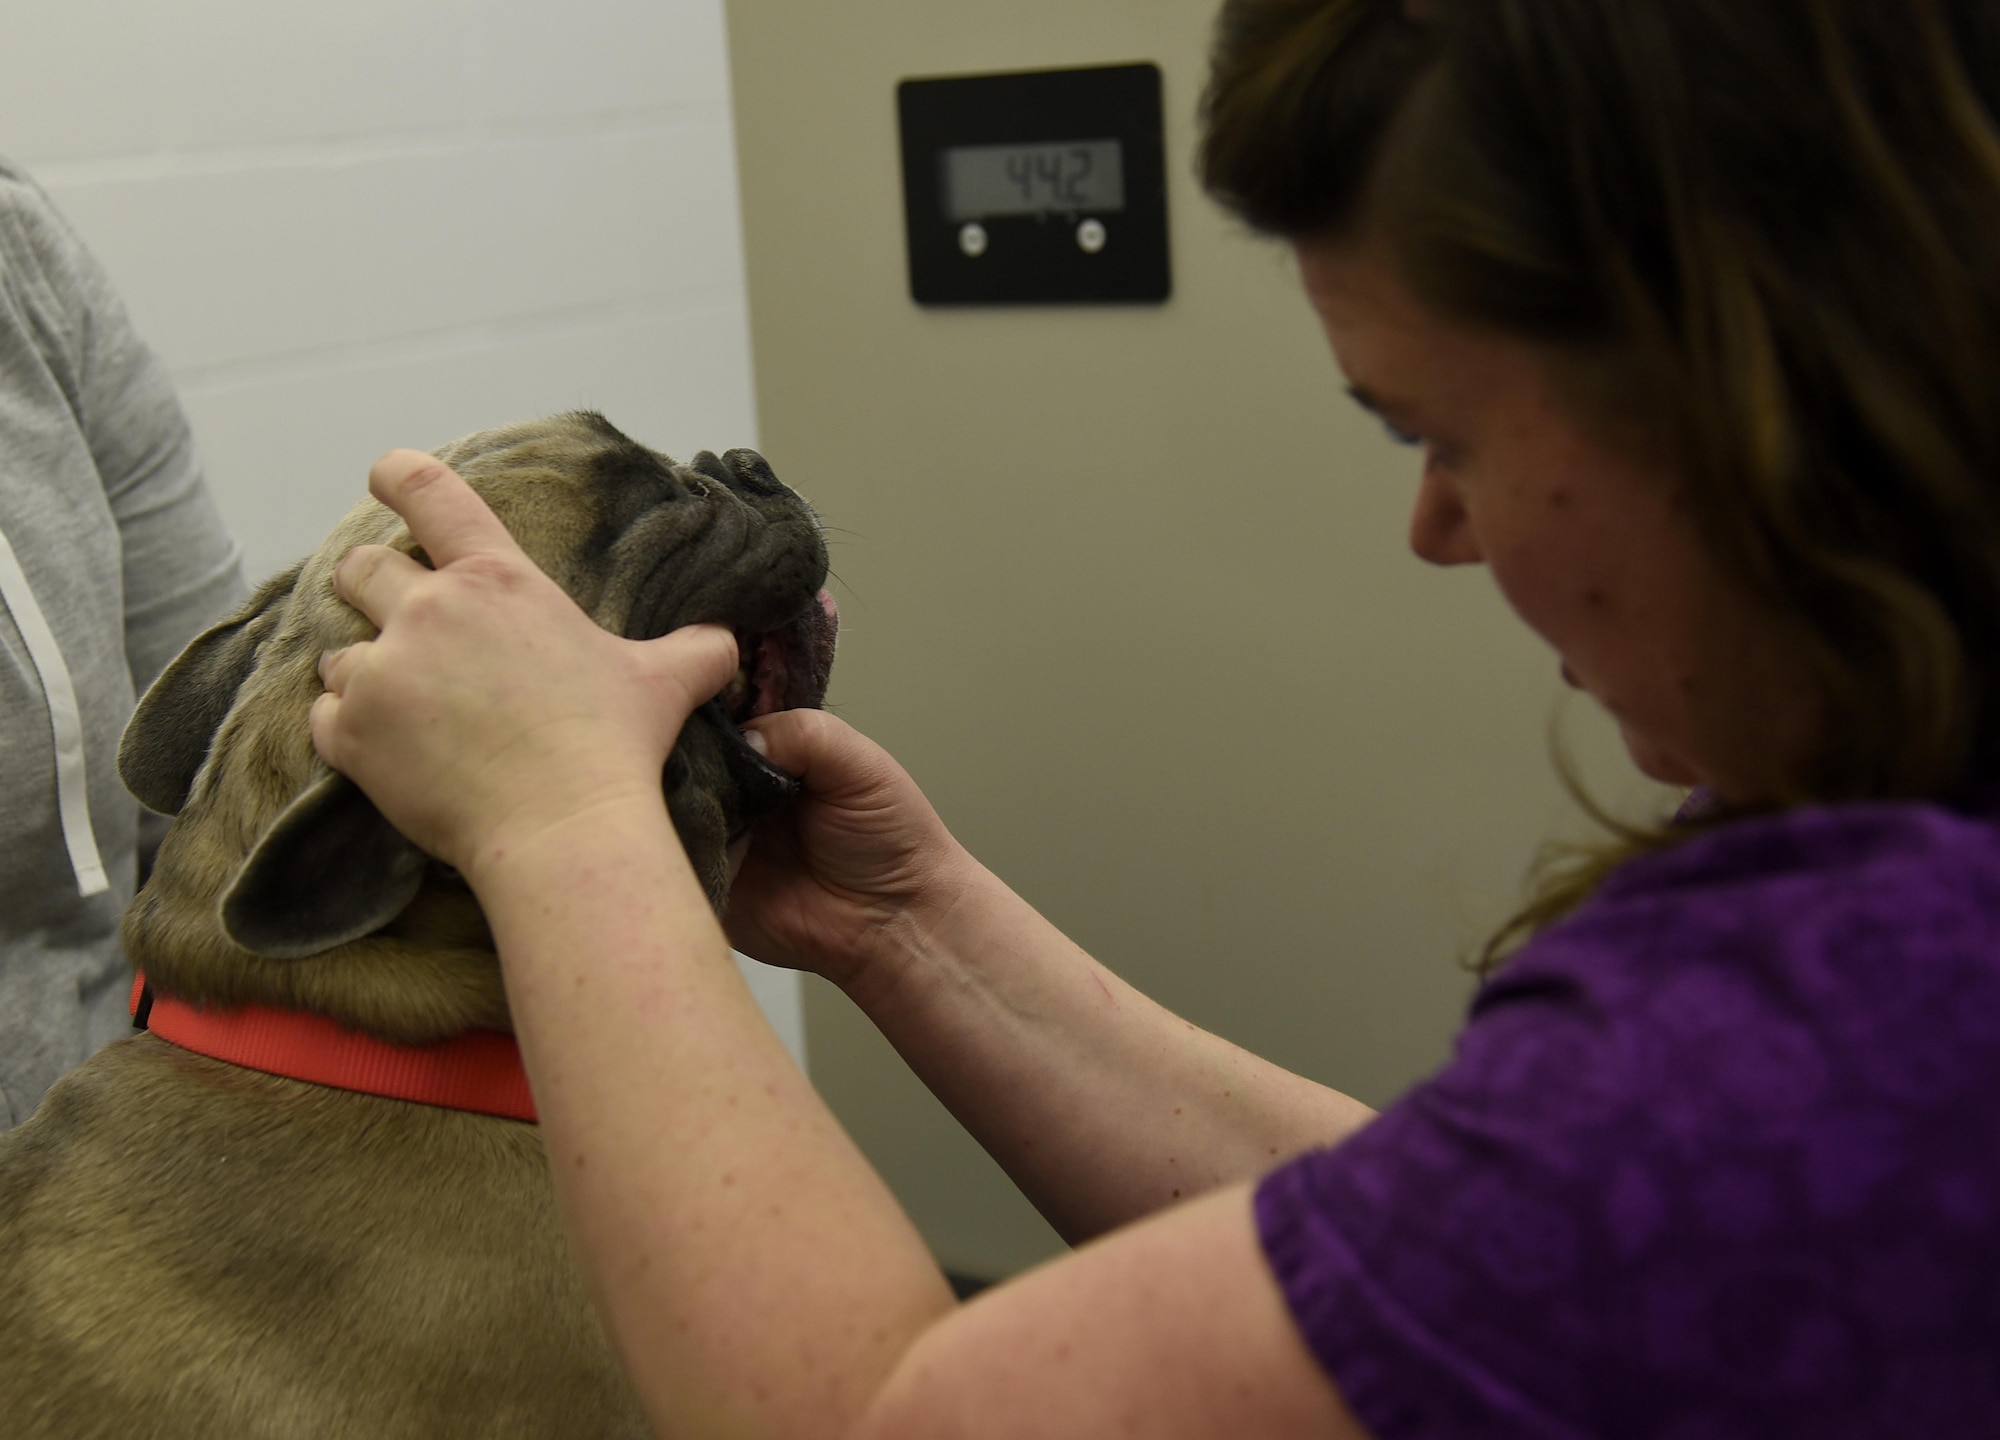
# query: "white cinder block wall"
389,222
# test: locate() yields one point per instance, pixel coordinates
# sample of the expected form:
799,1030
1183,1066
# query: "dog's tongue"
792,665
762,786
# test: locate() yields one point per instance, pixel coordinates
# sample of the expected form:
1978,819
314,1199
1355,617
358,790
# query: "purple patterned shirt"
1716,1158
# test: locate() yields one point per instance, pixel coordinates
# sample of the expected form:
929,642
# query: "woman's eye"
1402,436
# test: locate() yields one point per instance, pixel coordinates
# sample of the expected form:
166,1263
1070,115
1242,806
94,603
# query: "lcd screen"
983,180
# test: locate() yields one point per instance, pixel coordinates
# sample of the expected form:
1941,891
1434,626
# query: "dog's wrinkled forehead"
640,541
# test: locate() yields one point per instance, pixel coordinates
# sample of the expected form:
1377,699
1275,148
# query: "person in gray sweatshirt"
112,557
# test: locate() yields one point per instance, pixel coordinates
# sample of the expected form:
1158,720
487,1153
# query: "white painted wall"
389,222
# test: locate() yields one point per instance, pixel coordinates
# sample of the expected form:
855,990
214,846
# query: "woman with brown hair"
1691,306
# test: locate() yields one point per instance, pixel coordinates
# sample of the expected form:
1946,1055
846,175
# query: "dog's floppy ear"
329,871
171,731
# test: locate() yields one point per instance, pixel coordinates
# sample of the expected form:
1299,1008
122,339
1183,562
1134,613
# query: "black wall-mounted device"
1044,187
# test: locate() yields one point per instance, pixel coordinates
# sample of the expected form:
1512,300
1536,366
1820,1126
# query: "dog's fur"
188,1248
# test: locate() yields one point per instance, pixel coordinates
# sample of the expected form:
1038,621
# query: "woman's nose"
1440,530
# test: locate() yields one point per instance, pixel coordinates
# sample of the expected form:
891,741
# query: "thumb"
690,666
833,759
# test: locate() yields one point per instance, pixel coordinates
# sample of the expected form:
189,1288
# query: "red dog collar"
478,1071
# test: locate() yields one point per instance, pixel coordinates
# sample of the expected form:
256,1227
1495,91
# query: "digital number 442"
1056,175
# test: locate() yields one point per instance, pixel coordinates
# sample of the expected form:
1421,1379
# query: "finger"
374,579
445,515
336,665
692,664
829,755
323,720
839,766
831,759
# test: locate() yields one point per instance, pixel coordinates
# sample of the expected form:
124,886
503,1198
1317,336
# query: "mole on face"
1596,599
1558,499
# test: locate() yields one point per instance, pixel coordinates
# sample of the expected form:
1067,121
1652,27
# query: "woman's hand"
860,856
491,707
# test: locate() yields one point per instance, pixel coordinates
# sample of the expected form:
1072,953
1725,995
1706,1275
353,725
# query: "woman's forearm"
708,1187
1099,1103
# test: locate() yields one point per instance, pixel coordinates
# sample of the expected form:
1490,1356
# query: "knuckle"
405,472
815,725
425,605
425,476
505,571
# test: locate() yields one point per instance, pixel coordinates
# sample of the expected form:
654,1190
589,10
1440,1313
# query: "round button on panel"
972,240
1090,236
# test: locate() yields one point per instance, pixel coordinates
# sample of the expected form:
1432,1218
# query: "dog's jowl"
194,1246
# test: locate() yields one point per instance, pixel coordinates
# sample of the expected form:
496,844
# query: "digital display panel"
984,180
1036,187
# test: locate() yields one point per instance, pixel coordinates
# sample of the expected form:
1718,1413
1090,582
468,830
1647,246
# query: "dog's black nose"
705,463
754,475
742,471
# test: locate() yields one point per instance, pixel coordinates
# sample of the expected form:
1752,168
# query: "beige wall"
1127,591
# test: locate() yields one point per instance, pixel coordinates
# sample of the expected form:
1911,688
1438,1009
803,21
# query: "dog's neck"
478,1071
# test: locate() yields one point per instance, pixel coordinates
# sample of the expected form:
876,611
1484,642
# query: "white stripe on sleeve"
65,720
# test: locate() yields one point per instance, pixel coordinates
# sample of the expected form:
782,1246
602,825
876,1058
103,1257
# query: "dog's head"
280,882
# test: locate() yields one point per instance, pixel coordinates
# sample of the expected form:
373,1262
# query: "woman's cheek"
1525,581
1656,761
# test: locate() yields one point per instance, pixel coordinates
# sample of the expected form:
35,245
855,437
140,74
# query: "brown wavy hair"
1773,227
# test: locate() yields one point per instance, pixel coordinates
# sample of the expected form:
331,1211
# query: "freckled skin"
1589,542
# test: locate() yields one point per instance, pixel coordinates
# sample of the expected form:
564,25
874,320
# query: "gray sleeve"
182,570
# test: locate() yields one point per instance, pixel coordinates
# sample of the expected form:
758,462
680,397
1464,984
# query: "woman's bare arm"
1101,1104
